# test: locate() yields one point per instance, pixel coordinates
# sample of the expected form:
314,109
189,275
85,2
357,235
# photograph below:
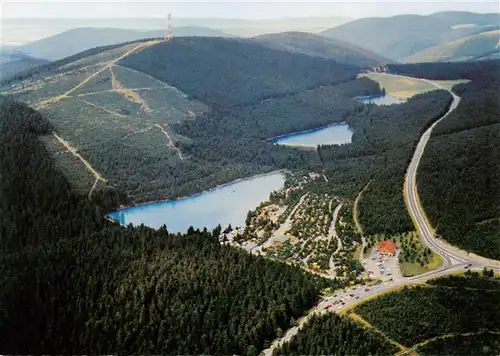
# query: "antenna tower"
168,33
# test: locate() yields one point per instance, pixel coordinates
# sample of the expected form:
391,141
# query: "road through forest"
454,259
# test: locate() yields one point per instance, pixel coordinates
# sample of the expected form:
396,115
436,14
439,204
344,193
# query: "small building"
387,248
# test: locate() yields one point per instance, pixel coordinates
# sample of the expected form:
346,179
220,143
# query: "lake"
228,204
328,135
380,100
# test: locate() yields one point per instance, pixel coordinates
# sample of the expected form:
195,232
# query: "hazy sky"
234,9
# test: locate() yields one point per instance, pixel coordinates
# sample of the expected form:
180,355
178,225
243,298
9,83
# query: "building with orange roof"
387,248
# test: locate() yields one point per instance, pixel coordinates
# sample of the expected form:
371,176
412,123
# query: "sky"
234,8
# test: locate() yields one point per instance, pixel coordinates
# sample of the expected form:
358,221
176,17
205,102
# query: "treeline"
478,70
36,202
226,72
470,280
72,285
458,176
382,145
416,314
331,334
137,290
239,136
53,66
484,344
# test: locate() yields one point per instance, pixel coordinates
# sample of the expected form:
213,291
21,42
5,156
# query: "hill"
14,62
401,36
158,133
80,39
319,46
250,72
251,28
478,46
103,283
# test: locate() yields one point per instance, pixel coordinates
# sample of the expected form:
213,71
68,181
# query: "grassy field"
404,88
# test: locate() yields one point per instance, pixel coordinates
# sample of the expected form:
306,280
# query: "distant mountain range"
401,36
320,46
12,63
77,40
484,45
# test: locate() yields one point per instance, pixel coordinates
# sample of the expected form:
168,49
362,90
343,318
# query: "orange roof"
386,247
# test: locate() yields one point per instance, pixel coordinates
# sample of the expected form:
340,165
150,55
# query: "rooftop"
386,247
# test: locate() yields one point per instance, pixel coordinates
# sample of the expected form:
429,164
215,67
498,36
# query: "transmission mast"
168,34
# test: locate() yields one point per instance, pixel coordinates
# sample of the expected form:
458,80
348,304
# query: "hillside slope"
12,63
158,133
401,36
320,46
229,72
479,46
80,39
458,176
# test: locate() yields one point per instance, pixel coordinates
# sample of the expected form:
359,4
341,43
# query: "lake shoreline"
273,139
239,180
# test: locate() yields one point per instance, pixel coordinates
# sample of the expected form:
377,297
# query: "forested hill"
458,176
73,285
320,46
77,40
479,46
228,72
400,36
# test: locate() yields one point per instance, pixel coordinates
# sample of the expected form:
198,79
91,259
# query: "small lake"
335,134
380,100
228,204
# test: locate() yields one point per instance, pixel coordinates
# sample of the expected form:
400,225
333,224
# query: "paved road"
450,254
454,259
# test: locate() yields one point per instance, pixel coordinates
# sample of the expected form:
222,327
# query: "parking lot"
382,267
347,297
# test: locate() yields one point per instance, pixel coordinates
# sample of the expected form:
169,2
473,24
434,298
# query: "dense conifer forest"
334,335
81,286
382,145
458,176
484,343
415,314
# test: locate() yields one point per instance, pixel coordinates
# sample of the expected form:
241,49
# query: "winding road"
455,260
451,255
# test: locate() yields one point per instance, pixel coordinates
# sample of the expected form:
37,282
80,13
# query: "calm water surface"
225,205
329,135
381,100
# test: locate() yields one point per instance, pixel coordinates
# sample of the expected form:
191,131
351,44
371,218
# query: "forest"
28,215
226,72
458,176
476,70
483,343
418,313
53,66
382,145
331,334
89,287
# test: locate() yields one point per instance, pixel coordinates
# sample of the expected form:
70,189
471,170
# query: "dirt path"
77,155
356,220
128,93
114,113
283,227
367,325
114,91
93,187
57,98
440,337
333,234
170,142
